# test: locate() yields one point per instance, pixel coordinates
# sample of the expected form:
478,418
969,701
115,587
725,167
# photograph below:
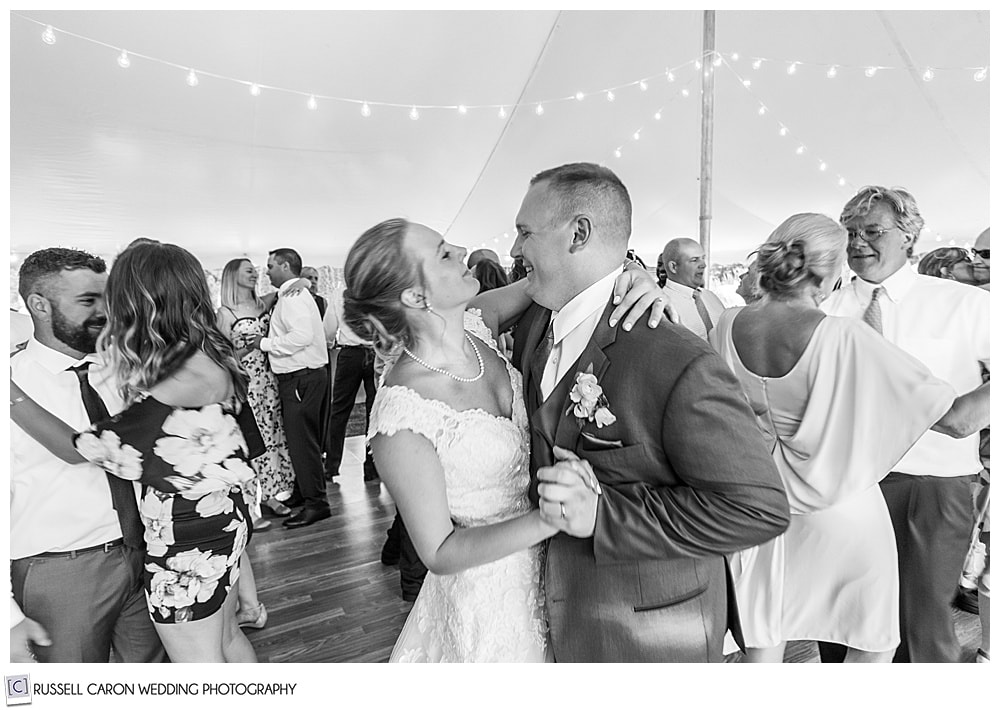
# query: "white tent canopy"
101,154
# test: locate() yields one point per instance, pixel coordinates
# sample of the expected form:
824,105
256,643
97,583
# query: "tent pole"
707,125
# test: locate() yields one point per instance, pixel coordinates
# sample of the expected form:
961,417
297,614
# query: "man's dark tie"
541,355
122,492
702,311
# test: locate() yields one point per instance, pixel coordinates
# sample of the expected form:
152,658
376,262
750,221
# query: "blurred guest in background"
697,307
952,263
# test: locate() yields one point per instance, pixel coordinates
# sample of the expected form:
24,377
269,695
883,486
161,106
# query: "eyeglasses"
868,234
982,253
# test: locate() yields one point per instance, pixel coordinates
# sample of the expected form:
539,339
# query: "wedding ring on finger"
562,511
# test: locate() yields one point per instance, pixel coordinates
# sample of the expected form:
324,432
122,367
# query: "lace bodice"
484,457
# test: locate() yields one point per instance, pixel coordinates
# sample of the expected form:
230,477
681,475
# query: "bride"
449,433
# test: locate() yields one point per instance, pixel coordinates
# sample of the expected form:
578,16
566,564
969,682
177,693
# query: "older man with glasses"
928,492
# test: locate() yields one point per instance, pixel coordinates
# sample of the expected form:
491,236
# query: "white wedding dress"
493,612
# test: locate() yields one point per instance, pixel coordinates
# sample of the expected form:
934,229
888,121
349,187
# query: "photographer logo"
18,689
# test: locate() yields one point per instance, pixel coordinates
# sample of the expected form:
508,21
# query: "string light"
123,61
192,78
756,63
462,109
800,150
822,166
735,56
366,110
414,114
685,93
539,109
928,74
762,110
697,64
254,90
718,59
618,152
870,72
311,103
643,85
841,181
783,132
502,113
831,73
657,115
671,77
980,75
792,67
49,35
746,83
635,136
580,95
610,96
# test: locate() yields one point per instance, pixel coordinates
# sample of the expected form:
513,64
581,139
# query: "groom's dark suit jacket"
686,479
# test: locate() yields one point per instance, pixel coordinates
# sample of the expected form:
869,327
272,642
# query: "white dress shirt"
682,298
56,506
337,332
295,340
945,325
572,328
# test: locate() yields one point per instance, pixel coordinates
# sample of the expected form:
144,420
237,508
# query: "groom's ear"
582,232
412,298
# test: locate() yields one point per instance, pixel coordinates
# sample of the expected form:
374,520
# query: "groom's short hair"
594,186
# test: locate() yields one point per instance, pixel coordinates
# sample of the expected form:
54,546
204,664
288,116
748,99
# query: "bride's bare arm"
411,470
969,413
44,427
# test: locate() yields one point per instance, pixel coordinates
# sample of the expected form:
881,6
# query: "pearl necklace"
479,357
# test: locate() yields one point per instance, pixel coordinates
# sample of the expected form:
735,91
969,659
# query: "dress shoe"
371,473
294,501
275,508
254,617
967,600
259,524
307,516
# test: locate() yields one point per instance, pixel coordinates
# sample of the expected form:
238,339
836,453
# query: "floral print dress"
192,464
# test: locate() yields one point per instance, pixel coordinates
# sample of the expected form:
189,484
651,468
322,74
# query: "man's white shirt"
572,327
945,325
682,299
296,338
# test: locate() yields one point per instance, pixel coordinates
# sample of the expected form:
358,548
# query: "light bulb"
657,115
735,56
254,90
414,114
756,63
928,74
831,72
685,93
792,67
192,78
497,240
841,181
539,109
311,103
579,95
870,72
697,64
980,75
783,132
123,61
800,150
671,77
643,85
366,110
49,35
610,96
822,167
746,83
502,113
635,136
762,110
462,109
718,60
618,152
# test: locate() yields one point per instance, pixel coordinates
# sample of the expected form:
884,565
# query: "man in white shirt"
296,348
72,572
928,493
697,307
355,367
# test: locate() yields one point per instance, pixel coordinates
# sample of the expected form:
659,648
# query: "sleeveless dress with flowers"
192,465
274,466
493,612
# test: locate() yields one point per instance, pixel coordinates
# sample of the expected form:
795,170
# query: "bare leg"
775,654
855,655
235,646
247,585
194,641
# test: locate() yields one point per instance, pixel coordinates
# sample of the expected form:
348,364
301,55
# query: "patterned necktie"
541,355
702,311
873,314
122,493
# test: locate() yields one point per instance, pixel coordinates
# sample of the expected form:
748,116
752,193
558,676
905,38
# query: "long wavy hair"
160,314
229,290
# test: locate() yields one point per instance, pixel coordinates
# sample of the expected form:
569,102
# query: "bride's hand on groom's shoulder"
635,293
568,494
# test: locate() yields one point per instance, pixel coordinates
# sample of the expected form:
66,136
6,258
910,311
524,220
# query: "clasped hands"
568,493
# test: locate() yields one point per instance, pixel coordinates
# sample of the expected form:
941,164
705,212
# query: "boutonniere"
589,402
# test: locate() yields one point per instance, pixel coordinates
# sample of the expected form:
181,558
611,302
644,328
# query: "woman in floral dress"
178,435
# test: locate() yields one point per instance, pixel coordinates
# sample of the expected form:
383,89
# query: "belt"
105,547
285,376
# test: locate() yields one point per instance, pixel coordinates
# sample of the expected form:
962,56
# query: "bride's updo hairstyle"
377,271
804,249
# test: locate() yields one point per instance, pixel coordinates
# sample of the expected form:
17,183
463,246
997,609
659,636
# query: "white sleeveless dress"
494,612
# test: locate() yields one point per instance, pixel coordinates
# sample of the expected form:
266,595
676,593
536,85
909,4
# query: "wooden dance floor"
330,599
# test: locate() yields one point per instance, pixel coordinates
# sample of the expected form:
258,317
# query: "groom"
682,472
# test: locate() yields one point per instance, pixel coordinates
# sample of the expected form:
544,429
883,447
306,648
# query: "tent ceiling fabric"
101,154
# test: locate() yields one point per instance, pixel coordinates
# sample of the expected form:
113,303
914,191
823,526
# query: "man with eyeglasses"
928,492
